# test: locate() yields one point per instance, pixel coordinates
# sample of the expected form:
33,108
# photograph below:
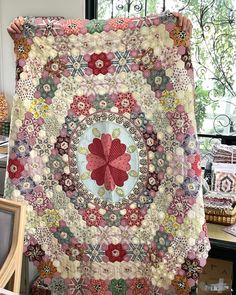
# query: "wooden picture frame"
10,271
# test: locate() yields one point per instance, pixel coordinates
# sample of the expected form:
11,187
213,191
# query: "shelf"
223,245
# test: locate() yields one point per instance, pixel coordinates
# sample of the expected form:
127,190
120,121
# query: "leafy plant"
202,101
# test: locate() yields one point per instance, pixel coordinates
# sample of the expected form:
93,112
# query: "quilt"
104,154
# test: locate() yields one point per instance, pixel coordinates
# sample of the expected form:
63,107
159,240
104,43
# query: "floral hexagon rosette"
106,158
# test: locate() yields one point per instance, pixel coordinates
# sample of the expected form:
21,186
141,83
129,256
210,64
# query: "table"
223,246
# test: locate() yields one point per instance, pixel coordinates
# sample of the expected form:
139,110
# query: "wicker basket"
221,216
220,207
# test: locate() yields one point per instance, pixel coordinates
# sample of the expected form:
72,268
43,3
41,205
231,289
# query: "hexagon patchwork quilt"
105,155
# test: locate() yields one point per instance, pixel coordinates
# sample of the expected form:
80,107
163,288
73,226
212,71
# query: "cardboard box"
216,277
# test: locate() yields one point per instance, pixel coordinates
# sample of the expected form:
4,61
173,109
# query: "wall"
9,9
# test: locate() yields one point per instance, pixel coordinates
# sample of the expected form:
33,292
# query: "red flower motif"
125,102
133,217
97,287
34,252
81,105
75,252
115,252
15,168
196,165
108,161
92,217
99,63
55,67
139,286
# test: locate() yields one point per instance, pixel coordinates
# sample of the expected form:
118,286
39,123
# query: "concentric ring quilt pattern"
105,155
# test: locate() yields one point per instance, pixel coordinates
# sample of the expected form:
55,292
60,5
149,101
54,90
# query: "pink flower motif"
108,161
133,217
180,205
169,57
72,26
180,122
81,105
30,128
139,286
39,200
47,26
78,286
179,165
34,166
92,217
116,24
97,287
125,102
